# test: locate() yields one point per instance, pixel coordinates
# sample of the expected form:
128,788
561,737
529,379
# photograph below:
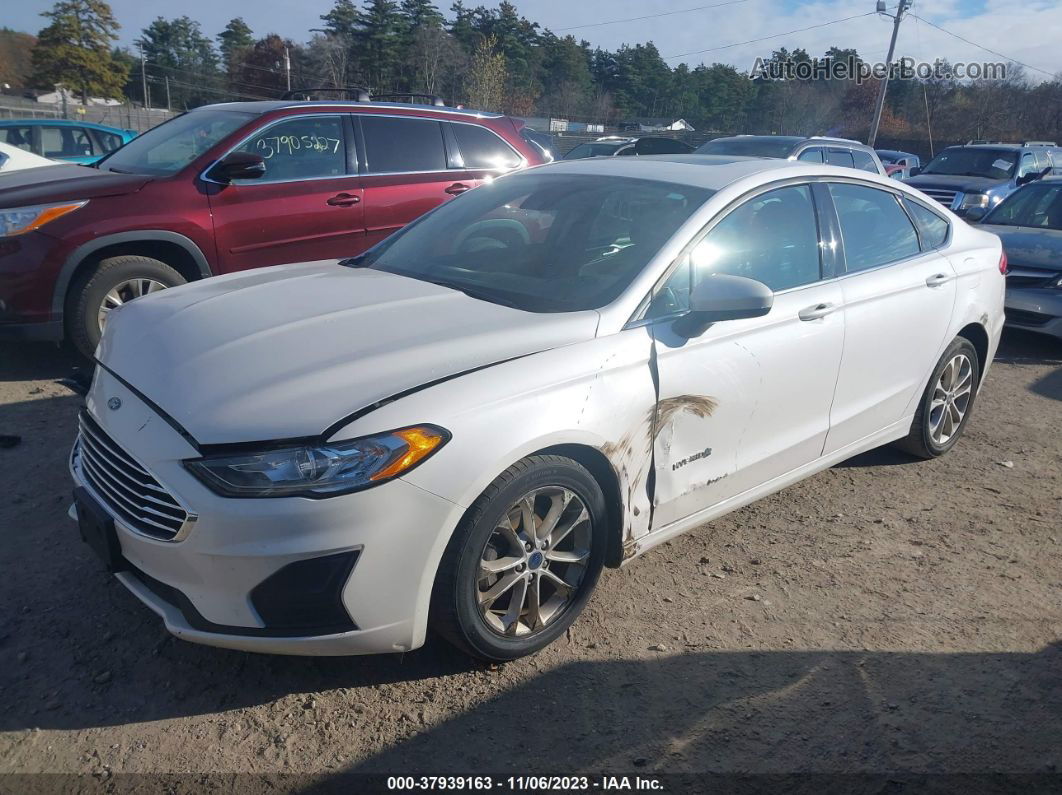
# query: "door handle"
937,279
816,311
344,200
458,188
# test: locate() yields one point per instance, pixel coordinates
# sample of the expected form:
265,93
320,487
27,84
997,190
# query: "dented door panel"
744,403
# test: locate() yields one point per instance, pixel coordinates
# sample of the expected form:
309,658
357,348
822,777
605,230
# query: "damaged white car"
554,373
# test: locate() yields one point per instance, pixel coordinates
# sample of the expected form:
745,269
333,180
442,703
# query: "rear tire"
947,402
541,581
116,279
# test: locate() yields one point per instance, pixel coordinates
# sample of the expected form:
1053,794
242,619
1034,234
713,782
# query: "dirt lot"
888,617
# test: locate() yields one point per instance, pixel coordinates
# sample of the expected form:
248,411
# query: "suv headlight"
19,220
972,200
320,470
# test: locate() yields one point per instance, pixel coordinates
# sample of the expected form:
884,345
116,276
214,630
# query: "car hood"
65,182
959,183
290,351
1029,247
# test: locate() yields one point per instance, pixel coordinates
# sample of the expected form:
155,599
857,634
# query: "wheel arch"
179,252
978,337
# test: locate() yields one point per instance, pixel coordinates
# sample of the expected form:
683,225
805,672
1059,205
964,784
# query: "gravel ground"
889,617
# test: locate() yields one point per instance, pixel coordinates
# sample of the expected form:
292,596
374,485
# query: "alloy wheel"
951,398
532,566
124,292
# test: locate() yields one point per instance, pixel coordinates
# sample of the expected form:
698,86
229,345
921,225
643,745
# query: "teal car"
62,139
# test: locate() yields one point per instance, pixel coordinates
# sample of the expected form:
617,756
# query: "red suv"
227,187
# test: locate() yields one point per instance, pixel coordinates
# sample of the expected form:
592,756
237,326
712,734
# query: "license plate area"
97,530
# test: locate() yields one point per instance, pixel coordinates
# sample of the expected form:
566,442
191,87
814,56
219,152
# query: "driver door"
748,400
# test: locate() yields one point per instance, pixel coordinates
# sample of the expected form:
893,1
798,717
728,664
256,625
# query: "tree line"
494,58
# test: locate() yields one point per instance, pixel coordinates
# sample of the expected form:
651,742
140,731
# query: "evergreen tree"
177,49
74,50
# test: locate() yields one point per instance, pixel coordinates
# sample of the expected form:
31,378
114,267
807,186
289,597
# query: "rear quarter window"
864,161
480,148
874,228
932,228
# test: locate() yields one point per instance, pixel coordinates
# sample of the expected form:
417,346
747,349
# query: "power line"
982,47
772,36
649,16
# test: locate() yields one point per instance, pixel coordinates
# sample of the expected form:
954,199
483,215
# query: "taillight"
1003,262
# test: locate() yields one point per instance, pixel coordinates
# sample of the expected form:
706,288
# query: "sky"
1027,31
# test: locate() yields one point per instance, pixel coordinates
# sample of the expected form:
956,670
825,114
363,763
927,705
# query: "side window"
22,137
932,229
840,157
65,142
662,146
402,145
1028,164
480,148
303,147
811,155
864,162
874,228
108,141
772,238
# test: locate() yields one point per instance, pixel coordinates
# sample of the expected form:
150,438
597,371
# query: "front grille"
1024,318
130,492
942,195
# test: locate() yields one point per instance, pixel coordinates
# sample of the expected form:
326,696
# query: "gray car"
810,149
1029,222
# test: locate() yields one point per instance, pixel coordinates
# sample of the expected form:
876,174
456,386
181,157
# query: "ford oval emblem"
114,404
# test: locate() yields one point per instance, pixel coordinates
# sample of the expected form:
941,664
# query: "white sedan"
554,373
14,159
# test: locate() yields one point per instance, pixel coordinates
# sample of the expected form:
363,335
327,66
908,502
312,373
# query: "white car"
554,373
14,159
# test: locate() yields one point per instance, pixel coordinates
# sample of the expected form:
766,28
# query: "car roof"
898,152
703,171
267,106
59,123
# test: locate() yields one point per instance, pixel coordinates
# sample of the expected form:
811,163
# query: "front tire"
947,402
524,560
116,280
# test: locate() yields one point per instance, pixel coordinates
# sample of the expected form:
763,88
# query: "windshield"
962,162
749,147
593,150
1038,206
541,242
166,149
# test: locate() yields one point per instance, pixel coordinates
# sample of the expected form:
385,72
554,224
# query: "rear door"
408,169
899,294
307,207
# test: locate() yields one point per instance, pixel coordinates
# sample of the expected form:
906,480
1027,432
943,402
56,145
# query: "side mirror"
915,171
975,214
724,297
238,165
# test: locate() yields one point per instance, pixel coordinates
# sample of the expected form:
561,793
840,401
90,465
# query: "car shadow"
776,712
25,361
1025,347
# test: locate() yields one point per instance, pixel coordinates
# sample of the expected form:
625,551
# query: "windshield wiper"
474,292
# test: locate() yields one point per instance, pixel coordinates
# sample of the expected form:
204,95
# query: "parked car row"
61,139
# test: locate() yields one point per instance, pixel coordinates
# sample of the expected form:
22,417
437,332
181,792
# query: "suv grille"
130,492
942,195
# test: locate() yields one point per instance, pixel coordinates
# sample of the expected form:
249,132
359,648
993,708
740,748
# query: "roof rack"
979,141
432,99
1038,143
357,93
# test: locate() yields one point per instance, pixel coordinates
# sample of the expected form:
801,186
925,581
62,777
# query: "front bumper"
1035,309
204,585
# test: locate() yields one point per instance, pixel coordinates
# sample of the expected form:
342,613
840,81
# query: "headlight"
19,220
320,470
972,200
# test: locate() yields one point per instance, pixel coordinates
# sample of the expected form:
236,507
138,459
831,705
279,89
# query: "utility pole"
287,66
167,78
904,6
143,76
